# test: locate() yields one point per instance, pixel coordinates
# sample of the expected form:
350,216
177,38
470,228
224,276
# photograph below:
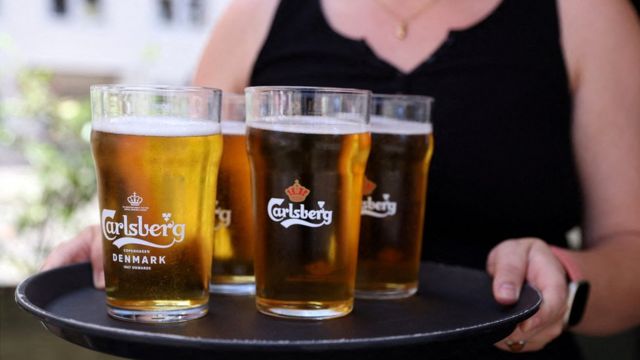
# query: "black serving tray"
452,313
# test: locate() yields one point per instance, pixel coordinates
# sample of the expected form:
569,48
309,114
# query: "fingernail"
507,290
98,279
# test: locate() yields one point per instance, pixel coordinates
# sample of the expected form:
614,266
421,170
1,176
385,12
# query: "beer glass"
394,193
308,149
156,152
232,268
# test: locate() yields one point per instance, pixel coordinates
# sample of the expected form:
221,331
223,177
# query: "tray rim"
144,337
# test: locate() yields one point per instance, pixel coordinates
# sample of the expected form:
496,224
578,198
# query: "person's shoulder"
234,44
246,12
245,18
608,15
597,31
600,9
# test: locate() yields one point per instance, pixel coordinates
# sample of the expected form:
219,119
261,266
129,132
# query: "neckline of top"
430,58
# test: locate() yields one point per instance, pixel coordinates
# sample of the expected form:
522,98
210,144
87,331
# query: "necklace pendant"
401,31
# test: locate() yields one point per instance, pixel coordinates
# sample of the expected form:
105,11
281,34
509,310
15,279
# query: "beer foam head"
310,125
156,126
386,125
232,127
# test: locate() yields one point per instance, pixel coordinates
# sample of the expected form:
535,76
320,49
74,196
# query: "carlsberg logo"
292,215
129,230
298,215
223,217
379,209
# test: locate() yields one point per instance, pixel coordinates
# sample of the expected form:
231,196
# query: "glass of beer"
394,195
232,268
308,149
156,152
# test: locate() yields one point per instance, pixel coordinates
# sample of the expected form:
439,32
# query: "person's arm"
601,41
602,45
234,44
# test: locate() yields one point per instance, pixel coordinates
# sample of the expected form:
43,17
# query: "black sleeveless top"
503,161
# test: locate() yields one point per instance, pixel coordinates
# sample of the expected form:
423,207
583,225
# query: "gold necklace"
402,28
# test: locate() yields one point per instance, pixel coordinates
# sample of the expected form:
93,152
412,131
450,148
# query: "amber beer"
394,194
307,173
232,269
156,186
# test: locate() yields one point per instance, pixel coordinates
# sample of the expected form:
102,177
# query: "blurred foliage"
53,136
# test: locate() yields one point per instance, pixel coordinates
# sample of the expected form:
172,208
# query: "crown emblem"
135,199
368,186
297,192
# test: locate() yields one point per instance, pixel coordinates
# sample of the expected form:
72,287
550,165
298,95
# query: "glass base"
233,289
158,316
304,310
386,291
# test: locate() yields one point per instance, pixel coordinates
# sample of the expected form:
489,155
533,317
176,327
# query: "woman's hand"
511,263
86,246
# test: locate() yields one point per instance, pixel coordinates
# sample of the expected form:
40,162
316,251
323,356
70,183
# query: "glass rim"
405,97
133,88
310,89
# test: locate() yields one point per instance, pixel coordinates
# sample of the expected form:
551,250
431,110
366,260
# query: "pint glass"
156,152
308,149
394,193
232,268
